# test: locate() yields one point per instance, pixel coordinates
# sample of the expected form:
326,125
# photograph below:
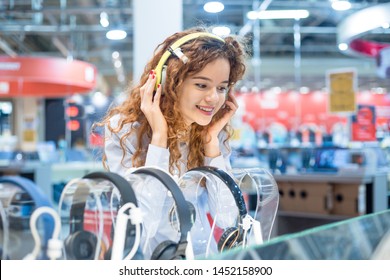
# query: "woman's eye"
223,90
201,86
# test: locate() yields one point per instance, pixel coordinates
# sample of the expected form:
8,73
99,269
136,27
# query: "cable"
115,193
189,248
101,225
211,235
54,250
64,192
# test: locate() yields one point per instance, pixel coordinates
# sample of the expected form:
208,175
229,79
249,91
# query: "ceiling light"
341,5
343,46
278,14
116,34
99,99
304,90
104,19
115,55
118,63
213,7
6,107
221,31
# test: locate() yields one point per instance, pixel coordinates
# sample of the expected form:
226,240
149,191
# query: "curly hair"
200,52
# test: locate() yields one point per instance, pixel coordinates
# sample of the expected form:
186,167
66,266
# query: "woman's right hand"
150,106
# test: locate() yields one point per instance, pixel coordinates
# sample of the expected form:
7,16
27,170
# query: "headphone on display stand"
126,234
40,200
232,236
175,50
261,186
82,244
168,249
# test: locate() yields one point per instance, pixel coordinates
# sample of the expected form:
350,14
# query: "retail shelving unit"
309,200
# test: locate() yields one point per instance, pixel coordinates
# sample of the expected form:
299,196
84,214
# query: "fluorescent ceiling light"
116,34
221,31
278,14
341,5
115,55
104,19
213,7
99,99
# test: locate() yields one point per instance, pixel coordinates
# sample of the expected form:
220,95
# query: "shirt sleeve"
155,156
114,153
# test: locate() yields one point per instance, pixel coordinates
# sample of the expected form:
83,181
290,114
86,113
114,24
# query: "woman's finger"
151,83
157,96
148,88
233,98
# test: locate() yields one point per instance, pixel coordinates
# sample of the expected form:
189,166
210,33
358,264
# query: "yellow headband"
174,48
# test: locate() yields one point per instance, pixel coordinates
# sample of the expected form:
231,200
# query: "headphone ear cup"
230,238
80,245
163,77
165,251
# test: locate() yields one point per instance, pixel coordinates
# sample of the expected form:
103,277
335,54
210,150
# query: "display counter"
38,172
313,199
360,238
51,177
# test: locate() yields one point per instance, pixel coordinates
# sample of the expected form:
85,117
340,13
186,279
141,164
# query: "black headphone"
127,196
175,50
81,244
232,236
168,249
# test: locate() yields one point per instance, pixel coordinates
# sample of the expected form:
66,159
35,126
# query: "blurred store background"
315,99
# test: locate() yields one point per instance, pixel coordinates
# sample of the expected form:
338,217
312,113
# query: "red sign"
363,124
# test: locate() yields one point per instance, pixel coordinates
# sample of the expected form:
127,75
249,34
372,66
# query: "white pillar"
153,21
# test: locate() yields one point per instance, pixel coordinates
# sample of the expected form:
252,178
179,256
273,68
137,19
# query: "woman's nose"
212,95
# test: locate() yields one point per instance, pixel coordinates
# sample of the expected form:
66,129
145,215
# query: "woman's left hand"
211,142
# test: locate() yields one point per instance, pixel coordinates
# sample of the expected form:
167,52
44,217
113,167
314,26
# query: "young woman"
177,117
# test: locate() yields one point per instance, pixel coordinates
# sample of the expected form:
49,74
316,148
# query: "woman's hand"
211,141
150,106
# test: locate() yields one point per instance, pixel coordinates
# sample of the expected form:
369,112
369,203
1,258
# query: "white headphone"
135,216
54,247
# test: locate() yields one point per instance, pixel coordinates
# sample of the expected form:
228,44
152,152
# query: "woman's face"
204,93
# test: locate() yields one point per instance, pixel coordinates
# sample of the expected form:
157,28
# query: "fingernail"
159,85
151,72
154,76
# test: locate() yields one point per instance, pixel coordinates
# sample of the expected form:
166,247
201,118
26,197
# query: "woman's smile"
207,110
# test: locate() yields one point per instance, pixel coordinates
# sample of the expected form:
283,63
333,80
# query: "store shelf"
282,213
328,198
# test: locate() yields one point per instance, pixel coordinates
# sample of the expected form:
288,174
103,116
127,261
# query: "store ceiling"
65,28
